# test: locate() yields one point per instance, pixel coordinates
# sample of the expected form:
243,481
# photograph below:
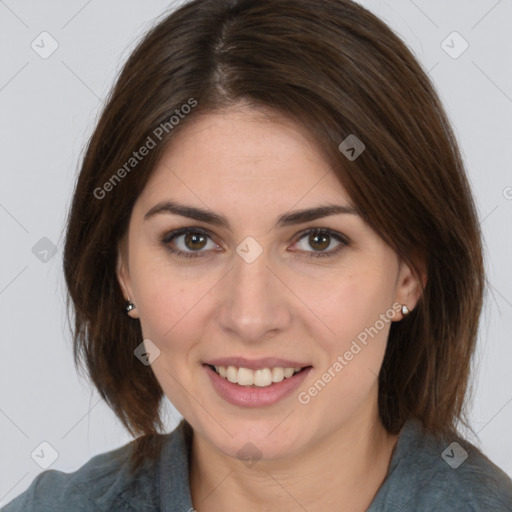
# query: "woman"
275,194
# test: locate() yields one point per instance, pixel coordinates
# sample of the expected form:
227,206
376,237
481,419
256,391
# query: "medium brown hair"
334,67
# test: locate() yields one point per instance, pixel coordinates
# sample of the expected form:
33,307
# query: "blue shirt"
425,474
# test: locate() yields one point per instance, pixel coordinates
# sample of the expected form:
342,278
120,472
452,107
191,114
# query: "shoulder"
443,474
104,483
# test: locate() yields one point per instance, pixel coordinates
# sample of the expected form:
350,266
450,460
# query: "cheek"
346,303
353,313
350,373
172,315
172,304
168,315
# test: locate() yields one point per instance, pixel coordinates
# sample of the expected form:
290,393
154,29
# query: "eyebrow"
287,219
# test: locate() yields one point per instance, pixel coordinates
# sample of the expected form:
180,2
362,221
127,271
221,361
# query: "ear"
409,283
123,276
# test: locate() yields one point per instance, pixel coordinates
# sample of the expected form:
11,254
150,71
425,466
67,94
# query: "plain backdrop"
48,108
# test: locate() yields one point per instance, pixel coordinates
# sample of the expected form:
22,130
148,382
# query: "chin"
252,440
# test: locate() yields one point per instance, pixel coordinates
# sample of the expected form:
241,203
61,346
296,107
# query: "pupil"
193,238
315,243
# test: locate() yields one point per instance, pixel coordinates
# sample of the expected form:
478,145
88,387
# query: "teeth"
263,377
245,377
232,374
288,372
277,374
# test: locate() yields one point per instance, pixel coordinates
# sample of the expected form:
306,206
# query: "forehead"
244,157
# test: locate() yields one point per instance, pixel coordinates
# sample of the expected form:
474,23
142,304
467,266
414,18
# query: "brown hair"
337,69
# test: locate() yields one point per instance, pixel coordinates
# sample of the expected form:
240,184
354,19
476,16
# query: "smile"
262,377
258,386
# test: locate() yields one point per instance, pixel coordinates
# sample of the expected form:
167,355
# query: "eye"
320,239
189,242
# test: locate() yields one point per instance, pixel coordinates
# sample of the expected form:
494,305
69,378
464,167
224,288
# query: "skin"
251,167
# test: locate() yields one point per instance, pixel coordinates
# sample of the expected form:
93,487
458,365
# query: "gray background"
48,110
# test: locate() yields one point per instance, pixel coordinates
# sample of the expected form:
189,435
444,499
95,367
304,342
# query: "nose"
254,301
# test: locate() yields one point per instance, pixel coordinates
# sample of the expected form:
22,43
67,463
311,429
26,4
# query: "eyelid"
171,235
166,239
319,229
342,239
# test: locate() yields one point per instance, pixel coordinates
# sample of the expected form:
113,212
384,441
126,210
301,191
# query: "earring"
405,311
129,306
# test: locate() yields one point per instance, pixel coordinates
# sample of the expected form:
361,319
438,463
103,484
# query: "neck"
347,467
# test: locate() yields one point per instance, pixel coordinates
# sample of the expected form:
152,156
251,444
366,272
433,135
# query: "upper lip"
255,364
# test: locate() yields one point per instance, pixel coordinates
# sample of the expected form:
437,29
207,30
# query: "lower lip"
254,396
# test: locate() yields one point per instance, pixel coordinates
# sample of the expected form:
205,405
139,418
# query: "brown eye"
188,243
195,241
319,242
320,239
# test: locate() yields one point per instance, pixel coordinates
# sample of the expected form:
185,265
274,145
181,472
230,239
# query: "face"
249,285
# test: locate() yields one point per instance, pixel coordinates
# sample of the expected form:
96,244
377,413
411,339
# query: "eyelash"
168,237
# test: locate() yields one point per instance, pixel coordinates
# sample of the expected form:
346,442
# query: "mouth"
255,382
256,378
